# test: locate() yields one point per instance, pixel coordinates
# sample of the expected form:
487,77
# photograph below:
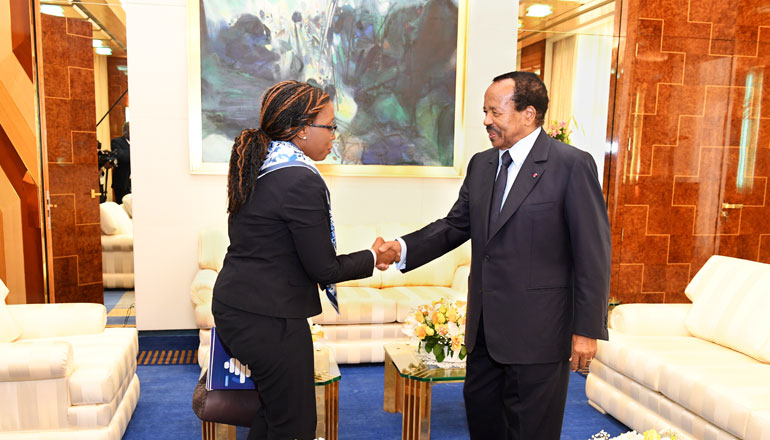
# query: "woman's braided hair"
287,107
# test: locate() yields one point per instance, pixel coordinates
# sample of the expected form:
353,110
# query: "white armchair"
63,375
117,244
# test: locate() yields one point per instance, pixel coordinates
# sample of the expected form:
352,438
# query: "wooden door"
689,179
69,122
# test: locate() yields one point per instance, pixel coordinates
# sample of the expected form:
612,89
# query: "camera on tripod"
107,158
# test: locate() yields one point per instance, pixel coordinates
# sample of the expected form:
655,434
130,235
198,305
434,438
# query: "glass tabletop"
325,367
409,365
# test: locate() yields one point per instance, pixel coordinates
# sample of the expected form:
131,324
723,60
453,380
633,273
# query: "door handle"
95,194
725,206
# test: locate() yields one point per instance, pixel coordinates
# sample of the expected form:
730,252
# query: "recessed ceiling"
565,16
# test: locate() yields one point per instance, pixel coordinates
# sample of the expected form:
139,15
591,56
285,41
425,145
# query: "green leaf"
438,351
429,346
463,353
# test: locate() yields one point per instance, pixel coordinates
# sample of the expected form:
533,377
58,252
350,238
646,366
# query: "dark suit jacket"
280,248
121,176
542,273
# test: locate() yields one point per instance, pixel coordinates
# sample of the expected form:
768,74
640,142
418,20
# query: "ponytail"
249,150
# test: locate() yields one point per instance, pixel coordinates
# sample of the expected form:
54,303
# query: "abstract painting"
393,69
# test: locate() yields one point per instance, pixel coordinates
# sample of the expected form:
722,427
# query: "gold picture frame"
198,165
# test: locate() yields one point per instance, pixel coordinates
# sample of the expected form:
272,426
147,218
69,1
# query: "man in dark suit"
539,285
121,176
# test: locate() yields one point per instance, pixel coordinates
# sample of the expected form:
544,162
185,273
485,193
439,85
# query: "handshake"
387,252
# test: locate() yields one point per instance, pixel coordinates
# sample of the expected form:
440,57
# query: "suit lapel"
531,172
487,184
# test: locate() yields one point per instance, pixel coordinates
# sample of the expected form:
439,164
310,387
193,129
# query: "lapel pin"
534,175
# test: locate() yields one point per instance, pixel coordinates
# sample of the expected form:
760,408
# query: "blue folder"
225,372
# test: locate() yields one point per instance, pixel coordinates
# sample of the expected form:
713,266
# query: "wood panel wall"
21,265
688,136
70,130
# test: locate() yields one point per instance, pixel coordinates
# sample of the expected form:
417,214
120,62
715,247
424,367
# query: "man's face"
504,124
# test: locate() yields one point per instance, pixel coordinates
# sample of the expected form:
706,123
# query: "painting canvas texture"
388,65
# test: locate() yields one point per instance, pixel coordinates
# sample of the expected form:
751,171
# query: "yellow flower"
419,317
651,435
451,315
429,331
419,331
442,309
440,318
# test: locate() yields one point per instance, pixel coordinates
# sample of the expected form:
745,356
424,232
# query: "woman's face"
318,144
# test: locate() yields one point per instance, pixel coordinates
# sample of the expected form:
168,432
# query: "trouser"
279,353
513,401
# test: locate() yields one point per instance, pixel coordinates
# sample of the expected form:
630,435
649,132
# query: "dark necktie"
497,193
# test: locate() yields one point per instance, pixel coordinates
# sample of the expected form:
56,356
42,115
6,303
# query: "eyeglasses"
333,128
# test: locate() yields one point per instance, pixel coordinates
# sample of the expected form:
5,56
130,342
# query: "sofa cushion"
439,272
352,238
212,247
759,425
718,274
407,298
114,219
363,332
725,395
642,357
732,310
9,330
358,305
128,204
103,364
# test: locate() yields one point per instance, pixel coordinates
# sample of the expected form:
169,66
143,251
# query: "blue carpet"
164,409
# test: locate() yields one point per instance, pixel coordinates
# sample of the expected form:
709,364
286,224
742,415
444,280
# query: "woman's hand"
387,254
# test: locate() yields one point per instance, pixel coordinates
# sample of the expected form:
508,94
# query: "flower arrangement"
651,434
560,131
439,329
317,332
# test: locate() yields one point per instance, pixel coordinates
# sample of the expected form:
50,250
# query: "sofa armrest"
52,320
202,288
35,360
460,278
650,319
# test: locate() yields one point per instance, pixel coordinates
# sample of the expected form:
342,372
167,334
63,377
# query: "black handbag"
231,407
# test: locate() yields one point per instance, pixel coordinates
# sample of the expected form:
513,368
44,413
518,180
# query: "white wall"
171,205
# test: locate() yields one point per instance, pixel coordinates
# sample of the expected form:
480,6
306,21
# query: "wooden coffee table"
408,384
327,399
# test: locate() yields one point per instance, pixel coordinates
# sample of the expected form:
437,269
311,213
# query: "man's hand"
386,254
583,351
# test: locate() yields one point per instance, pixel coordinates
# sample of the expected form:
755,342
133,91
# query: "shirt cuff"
374,257
401,265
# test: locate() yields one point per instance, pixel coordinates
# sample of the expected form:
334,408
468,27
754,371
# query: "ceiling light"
539,10
55,10
103,51
98,43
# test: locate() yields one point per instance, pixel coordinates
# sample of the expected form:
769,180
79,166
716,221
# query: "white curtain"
590,99
579,87
562,81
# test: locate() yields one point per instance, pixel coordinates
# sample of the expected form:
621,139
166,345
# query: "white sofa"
117,244
701,368
63,375
371,309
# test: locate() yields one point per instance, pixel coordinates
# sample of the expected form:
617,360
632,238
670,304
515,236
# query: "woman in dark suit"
282,248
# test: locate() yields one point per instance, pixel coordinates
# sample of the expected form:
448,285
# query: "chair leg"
217,431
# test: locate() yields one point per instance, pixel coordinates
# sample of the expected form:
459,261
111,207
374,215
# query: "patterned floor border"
167,357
